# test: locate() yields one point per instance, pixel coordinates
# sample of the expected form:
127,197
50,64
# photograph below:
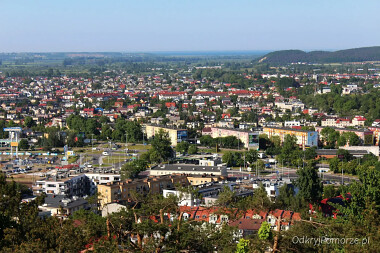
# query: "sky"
187,25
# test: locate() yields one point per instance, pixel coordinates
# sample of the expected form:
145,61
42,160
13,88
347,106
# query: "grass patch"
100,166
110,160
139,147
72,159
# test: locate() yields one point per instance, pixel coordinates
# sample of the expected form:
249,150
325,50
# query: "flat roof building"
249,138
189,169
175,135
304,138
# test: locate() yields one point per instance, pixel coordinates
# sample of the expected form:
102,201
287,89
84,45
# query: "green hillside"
348,55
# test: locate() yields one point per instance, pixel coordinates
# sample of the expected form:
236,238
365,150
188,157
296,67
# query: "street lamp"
92,142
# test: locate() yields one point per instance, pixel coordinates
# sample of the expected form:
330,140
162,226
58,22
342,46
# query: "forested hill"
348,55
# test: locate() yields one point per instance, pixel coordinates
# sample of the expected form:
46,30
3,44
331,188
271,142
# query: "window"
224,218
204,216
197,217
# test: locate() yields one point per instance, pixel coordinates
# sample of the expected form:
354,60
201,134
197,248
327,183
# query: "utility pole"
126,144
342,173
257,169
282,167
92,143
288,169
244,161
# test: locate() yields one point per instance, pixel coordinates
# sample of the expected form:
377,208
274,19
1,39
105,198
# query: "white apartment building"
292,123
184,199
272,187
73,185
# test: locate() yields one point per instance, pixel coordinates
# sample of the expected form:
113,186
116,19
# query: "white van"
262,155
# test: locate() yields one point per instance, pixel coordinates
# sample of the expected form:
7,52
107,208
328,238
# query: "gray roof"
52,200
291,129
187,167
334,151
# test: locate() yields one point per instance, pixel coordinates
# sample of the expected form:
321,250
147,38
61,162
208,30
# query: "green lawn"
115,159
138,147
72,159
100,166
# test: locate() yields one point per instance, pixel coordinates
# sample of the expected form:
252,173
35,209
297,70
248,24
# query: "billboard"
70,153
14,144
181,135
12,129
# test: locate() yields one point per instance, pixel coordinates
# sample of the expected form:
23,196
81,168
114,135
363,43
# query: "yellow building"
304,138
122,191
175,135
198,180
108,193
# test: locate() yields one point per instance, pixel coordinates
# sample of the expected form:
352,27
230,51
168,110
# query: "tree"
260,199
134,131
264,141
23,144
251,156
92,127
345,154
334,164
310,153
365,194
329,191
226,198
54,139
309,184
29,122
329,137
106,132
290,152
242,246
161,144
265,232
342,141
182,147
193,149
228,158
76,122
259,164
353,139
132,169
285,199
